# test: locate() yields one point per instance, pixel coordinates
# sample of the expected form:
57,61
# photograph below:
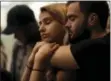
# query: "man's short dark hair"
101,8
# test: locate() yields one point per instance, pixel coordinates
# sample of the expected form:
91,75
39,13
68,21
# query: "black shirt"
93,59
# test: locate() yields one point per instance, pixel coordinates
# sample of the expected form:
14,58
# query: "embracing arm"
63,58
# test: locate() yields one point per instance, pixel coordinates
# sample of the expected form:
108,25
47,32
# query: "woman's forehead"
44,15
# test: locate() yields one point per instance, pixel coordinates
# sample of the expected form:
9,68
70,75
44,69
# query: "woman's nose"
42,28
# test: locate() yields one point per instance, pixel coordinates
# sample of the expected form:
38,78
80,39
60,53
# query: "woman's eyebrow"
47,18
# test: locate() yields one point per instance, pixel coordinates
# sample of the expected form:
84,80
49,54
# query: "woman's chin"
47,40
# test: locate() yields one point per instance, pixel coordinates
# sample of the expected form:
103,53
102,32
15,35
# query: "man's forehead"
73,8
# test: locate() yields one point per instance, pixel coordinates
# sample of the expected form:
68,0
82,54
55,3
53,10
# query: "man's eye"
72,18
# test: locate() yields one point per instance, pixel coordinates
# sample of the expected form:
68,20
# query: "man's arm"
63,58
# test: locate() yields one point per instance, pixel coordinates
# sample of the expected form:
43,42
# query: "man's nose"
67,25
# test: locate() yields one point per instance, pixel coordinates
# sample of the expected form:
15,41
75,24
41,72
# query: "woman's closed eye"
47,21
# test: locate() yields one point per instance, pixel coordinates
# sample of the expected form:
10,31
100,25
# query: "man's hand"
44,54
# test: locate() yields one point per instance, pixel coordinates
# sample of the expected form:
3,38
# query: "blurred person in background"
22,23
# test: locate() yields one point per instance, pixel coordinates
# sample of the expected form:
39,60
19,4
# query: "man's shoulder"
97,41
101,41
91,44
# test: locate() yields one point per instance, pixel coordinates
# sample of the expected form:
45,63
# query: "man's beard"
83,36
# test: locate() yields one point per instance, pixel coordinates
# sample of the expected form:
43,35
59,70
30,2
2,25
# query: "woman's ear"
92,19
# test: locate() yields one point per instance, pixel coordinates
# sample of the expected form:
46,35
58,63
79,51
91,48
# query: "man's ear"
92,19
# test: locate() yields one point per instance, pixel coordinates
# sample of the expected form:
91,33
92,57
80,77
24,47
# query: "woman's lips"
44,36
